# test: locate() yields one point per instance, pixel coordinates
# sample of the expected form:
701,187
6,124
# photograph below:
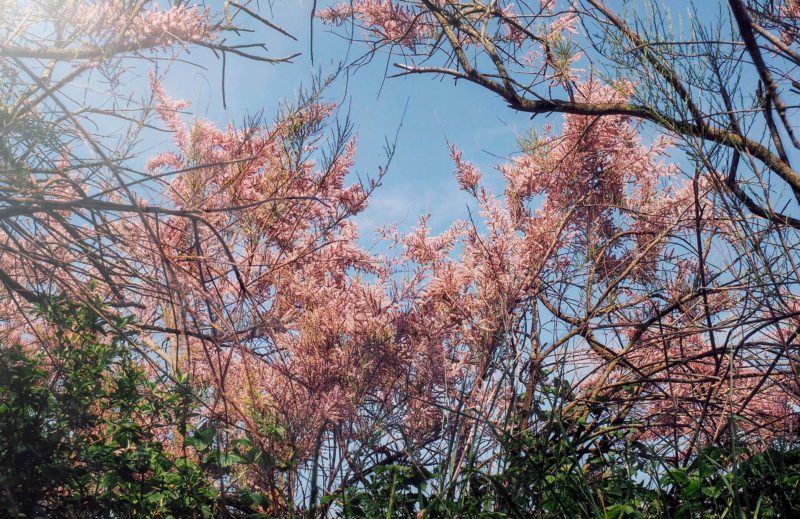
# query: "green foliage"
80,427
548,475
766,484
392,491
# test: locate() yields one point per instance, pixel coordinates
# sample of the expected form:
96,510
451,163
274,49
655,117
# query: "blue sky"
420,180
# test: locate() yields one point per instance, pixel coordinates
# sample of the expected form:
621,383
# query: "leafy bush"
548,475
81,428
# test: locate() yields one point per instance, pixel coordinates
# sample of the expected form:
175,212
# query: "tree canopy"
198,327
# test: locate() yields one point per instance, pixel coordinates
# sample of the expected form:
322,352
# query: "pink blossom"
467,174
111,22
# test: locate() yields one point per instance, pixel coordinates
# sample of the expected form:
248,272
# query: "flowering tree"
232,252
631,293
655,277
209,247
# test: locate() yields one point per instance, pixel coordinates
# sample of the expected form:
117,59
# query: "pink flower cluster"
383,18
328,331
790,12
109,23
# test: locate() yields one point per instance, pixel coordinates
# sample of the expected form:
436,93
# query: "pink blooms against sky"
427,115
433,115
500,222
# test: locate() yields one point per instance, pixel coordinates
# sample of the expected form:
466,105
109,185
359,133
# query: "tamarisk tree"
623,305
637,277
